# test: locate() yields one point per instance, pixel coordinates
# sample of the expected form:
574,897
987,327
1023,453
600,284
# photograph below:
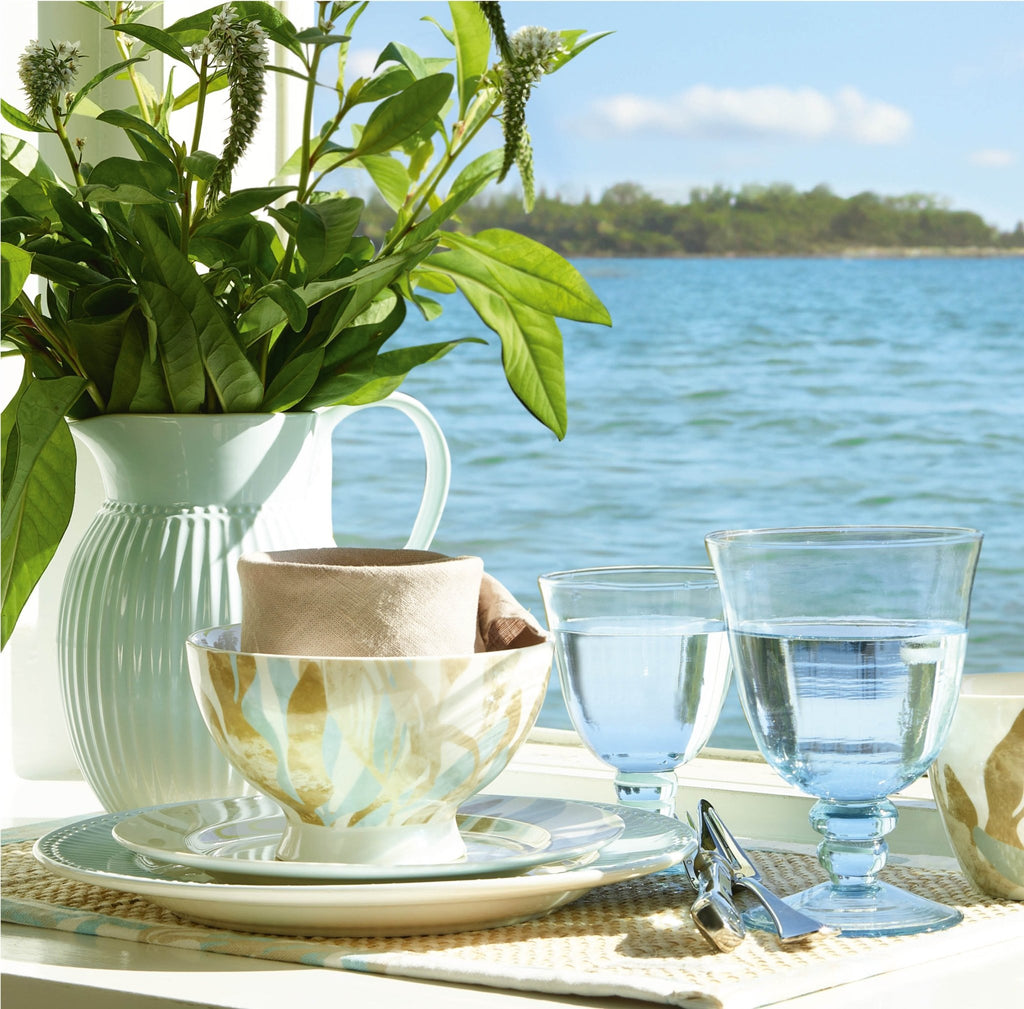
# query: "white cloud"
798,113
993,157
360,63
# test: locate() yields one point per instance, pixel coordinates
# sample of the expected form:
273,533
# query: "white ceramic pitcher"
186,495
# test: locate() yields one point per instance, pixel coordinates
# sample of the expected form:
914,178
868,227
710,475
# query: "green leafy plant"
162,289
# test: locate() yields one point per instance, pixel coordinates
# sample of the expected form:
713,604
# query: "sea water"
849,710
643,692
730,393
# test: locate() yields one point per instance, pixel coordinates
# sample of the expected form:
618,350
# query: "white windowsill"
755,801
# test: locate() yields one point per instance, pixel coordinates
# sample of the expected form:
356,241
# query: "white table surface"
43,969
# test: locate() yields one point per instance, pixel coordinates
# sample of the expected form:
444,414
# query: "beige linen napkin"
501,621
343,601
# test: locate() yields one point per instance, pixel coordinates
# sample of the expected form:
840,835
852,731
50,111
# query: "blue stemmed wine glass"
643,658
848,644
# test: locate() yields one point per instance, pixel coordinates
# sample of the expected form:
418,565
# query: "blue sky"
890,97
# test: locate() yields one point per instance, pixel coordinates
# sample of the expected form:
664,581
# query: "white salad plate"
87,851
236,839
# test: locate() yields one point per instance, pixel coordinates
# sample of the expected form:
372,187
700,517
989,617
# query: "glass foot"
654,791
878,909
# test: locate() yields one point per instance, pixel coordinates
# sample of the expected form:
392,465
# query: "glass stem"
853,851
653,790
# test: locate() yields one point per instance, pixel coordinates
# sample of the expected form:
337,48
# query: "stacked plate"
213,861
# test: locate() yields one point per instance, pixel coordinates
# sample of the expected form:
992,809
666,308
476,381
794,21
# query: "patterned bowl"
978,783
368,757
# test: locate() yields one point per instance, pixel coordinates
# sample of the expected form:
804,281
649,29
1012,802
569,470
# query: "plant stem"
305,167
461,138
186,176
126,51
69,150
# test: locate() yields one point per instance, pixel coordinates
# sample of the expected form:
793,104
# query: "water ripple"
730,393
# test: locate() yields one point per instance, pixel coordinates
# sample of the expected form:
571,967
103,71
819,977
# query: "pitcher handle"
438,459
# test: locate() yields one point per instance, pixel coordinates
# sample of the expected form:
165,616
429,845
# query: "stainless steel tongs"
792,925
713,911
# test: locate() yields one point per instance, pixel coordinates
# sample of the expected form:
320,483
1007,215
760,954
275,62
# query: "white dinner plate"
236,839
86,851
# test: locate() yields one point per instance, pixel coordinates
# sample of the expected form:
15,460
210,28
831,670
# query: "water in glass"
644,692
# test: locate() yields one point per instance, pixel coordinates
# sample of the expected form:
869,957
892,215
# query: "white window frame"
36,745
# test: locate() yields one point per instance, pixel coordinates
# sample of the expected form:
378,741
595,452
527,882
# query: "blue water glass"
849,648
643,659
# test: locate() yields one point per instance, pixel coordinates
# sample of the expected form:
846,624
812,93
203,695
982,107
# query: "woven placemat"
631,939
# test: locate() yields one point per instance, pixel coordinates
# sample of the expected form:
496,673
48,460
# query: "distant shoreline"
754,222
867,252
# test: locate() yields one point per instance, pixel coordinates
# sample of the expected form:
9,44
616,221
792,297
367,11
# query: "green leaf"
133,124
429,308
314,36
324,231
152,154
261,317
97,343
378,376
531,352
404,114
245,201
191,94
290,302
403,55
177,346
388,82
17,268
293,381
138,385
330,157
201,164
276,25
433,281
113,298
265,315
24,122
65,271
88,109
419,158
155,38
20,157
470,181
122,180
75,219
389,176
472,49
446,32
573,46
38,486
106,72
235,382
361,339
526,270
372,279
24,176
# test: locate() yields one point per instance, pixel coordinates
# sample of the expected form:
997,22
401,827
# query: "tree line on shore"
754,220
